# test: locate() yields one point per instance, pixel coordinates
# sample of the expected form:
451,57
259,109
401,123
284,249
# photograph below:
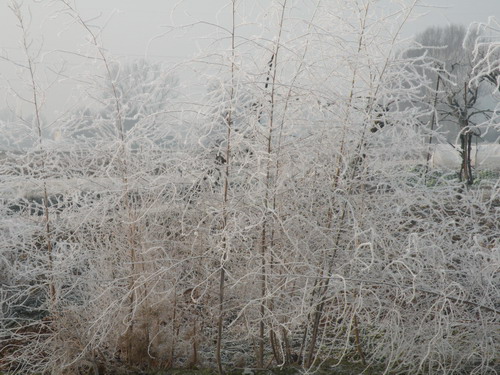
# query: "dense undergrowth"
287,217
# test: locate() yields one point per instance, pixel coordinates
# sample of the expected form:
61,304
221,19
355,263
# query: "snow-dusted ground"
443,156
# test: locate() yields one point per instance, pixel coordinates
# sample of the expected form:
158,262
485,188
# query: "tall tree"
139,93
462,105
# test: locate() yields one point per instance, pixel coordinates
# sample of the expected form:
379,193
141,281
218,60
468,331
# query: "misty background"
170,32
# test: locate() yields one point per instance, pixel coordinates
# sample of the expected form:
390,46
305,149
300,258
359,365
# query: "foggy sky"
138,28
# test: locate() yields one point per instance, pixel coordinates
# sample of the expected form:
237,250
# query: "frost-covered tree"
464,108
486,52
140,90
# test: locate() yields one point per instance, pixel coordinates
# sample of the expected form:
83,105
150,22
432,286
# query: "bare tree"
460,102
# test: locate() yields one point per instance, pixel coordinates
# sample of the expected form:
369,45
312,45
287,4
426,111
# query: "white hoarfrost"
300,220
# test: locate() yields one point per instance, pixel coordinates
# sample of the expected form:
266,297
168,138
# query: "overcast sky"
136,28
131,24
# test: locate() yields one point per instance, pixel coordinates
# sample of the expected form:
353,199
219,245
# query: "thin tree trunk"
357,339
229,124
433,122
38,123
